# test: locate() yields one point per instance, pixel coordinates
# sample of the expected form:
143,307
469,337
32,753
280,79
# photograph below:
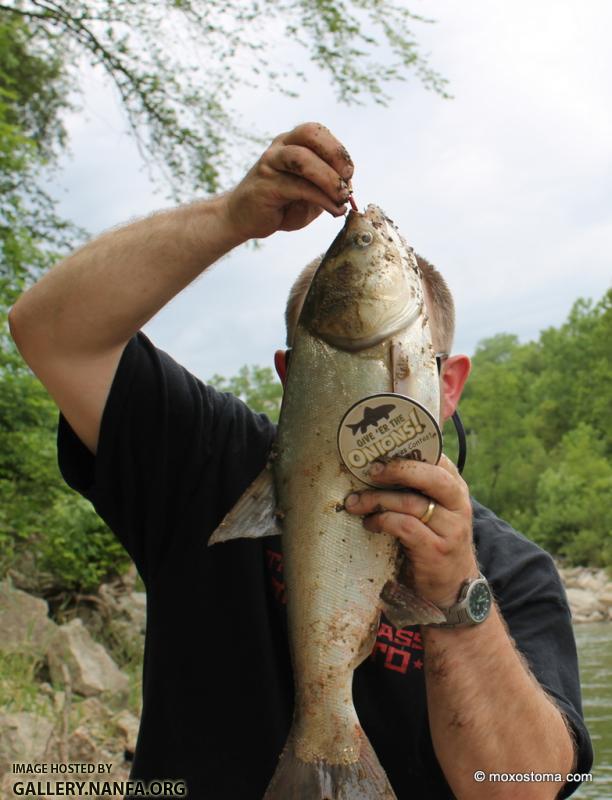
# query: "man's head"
440,306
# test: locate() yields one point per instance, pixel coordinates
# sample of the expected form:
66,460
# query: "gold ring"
427,515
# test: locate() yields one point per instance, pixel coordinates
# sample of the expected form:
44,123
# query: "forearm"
488,713
99,296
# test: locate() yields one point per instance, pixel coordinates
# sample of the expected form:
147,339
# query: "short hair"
441,305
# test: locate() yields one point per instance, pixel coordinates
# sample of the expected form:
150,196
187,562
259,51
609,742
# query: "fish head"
367,286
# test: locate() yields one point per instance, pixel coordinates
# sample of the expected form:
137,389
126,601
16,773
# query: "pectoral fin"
403,607
254,515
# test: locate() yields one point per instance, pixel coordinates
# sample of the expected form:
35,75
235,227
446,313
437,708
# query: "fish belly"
334,568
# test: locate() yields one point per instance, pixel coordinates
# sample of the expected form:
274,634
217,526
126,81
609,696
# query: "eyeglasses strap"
462,456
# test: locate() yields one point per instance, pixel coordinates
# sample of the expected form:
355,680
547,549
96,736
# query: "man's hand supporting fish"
474,675
441,551
486,711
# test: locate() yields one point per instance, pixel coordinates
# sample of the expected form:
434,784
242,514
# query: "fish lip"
372,213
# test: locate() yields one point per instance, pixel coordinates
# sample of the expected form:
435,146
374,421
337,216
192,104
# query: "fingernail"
375,469
351,500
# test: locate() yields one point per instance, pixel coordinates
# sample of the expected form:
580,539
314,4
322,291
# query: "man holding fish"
484,687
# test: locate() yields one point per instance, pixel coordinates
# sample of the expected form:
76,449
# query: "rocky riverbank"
70,689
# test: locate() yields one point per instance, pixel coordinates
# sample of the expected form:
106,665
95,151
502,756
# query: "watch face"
479,602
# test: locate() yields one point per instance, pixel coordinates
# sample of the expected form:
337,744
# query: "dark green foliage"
256,386
33,90
574,500
44,527
539,418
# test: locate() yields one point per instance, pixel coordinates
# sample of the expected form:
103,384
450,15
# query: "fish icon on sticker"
371,416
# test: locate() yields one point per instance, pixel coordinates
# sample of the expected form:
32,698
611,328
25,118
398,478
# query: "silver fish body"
363,330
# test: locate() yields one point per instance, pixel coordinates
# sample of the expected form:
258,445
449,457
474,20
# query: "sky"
506,188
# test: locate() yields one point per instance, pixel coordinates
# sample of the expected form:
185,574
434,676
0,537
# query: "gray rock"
23,738
127,725
91,669
605,597
592,580
25,626
81,747
584,605
134,607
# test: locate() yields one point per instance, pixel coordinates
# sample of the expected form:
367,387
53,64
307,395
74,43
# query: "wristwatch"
473,605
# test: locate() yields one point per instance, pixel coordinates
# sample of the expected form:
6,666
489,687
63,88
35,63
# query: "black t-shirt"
173,457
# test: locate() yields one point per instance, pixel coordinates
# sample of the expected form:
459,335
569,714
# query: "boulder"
605,596
134,607
584,605
90,668
24,738
81,747
25,626
592,580
127,725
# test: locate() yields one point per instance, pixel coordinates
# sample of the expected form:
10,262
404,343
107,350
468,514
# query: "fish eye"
363,239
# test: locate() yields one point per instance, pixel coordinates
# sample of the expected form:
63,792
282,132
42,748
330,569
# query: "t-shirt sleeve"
164,435
532,600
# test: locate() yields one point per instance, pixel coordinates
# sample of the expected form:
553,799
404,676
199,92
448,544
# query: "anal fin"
403,607
253,516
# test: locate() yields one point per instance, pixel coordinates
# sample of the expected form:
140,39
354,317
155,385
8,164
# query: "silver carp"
363,330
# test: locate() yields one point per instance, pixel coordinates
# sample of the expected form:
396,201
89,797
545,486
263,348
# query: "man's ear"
280,364
455,371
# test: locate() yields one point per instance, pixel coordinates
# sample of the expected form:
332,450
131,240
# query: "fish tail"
296,779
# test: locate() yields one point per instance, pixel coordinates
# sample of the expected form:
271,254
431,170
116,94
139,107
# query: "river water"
594,643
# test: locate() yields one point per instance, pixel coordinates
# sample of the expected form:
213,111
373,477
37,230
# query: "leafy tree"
540,422
176,64
505,458
575,383
573,500
256,386
33,92
49,545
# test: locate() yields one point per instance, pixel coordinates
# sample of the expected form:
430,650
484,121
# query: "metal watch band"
458,614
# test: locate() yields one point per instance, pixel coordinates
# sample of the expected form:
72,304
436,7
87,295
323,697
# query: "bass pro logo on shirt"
387,425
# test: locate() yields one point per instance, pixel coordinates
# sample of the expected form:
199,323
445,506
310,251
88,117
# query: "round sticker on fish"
385,426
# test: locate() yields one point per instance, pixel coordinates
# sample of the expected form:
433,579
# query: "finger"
407,529
413,503
300,213
320,140
302,162
447,489
448,465
293,188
